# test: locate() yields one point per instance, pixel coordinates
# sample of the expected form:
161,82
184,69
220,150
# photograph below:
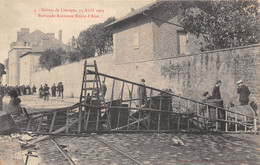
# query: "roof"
35,36
137,12
29,53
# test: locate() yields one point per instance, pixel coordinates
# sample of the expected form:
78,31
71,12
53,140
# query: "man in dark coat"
61,89
53,90
216,92
103,88
243,92
46,92
34,89
41,92
141,91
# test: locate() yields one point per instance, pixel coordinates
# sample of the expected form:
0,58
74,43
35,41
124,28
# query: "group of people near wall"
44,91
21,90
242,90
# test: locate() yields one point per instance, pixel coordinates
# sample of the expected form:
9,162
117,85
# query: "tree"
51,58
222,24
74,55
96,39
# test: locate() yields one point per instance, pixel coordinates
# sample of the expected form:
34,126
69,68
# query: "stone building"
23,56
149,33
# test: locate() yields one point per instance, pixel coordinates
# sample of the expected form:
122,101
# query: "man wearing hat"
216,92
243,92
141,91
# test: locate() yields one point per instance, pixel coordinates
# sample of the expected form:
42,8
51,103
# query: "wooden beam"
53,121
130,105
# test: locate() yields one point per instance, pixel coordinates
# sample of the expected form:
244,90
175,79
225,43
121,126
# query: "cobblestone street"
153,148
147,148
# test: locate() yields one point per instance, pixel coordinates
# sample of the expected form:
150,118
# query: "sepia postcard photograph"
121,82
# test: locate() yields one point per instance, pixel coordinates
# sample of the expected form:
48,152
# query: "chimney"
60,35
51,35
22,33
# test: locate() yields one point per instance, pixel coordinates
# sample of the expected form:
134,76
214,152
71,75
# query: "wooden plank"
143,119
121,97
62,129
197,113
79,119
84,72
29,123
159,115
97,119
130,105
150,107
85,115
40,124
226,124
87,119
216,118
67,121
179,121
169,109
245,123
139,117
112,93
53,121
236,122
179,108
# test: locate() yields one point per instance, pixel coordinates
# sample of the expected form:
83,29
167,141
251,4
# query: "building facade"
150,33
24,54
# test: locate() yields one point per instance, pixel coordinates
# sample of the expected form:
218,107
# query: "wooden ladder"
94,86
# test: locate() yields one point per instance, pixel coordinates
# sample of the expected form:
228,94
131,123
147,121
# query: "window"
136,40
182,40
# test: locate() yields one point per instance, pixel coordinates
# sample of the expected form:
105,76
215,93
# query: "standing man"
41,92
61,89
216,92
103,88
46,92
34,89
53,90
243,92
141,91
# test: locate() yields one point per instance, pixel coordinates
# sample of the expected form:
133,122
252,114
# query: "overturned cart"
118,109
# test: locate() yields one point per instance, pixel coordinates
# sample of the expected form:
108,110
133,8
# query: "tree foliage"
52,58
222,24
96,39
74,55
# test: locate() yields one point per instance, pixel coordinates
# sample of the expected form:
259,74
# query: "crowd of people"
28,90
14,107
44,91
20,90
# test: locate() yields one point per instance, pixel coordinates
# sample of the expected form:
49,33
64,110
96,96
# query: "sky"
17,14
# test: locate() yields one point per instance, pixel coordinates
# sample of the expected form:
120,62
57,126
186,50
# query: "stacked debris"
7,124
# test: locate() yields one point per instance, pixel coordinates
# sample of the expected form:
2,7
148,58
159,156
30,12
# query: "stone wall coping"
195,54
